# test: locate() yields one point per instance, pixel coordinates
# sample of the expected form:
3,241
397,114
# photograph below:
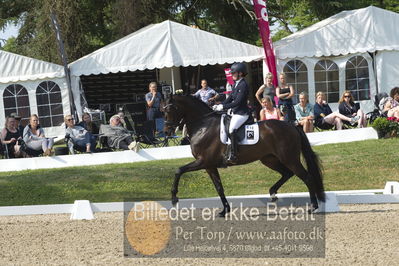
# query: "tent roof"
14,68
162,45
362,30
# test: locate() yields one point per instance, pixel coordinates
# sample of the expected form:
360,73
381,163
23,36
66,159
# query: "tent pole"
375,72
173,80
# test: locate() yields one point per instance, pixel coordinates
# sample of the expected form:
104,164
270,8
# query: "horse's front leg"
193,166
214,174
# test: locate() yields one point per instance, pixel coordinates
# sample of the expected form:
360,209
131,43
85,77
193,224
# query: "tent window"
326,75
297,75
16,100
357,78
49,104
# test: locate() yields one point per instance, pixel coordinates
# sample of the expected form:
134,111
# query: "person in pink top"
269,111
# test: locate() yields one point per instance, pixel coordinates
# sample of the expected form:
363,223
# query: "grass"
357,165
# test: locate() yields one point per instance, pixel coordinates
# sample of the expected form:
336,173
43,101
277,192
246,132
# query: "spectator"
88,124
10,136
154,102
304,113
285,94
121,115
392,105
18,122
206,94
79,135
266,89
348,108
34,137
269,111
325,118
117,136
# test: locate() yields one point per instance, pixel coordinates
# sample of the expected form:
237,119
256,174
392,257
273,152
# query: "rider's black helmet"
239,67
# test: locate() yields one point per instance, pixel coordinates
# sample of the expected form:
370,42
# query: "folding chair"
159,125
145,136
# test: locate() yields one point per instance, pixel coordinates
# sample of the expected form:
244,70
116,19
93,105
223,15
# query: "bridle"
182,122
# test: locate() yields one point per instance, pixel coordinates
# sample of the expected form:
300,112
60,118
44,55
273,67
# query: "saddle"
247,134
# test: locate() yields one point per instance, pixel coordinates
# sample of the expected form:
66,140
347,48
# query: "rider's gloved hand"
218,107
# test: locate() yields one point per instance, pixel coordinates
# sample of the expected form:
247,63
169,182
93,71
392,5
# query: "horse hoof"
175,201
273,198
222,214
313,210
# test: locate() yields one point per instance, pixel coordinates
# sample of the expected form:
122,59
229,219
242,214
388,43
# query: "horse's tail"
314,166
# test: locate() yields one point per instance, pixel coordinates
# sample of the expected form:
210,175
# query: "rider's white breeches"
237,121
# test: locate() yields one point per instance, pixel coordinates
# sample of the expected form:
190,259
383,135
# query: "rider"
237,102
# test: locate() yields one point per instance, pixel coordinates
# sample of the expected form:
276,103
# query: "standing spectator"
392,105
269,111
18,122
34,137
88,124
154,101
206,94
266,89
285,94
304,113
325,118
10,136
348,108
80,136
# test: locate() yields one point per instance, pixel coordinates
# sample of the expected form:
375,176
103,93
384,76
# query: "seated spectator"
80,136
269,111
18,123
348,108
117,136
34,137
325,118
121,114
304,113
392,105
88,124
206,94
10,136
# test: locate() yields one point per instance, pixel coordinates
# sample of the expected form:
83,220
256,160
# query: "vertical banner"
264,30
229,78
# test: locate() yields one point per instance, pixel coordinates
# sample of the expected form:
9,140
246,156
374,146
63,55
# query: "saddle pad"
247,135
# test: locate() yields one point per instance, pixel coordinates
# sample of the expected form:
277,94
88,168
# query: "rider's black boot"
232,148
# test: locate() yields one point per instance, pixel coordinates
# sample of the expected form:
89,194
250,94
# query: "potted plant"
386,127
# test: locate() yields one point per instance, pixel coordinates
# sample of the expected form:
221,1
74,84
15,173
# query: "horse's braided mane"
198,102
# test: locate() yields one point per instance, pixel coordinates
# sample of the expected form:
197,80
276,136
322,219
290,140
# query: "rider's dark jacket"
238,99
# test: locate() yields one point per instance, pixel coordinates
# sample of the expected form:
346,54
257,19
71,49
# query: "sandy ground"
359,234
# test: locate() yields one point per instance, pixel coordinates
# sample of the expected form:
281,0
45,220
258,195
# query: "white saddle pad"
251,134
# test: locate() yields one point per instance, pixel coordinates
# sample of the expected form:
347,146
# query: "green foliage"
385,125
90,24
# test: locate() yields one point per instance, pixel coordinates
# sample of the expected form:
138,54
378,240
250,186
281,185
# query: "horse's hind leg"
273,163
193,166
214,174
301,172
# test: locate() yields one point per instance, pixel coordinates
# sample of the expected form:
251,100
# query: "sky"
9,31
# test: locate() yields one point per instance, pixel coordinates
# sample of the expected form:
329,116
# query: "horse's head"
173,114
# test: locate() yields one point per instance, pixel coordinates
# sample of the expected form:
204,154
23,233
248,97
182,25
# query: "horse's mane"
194,101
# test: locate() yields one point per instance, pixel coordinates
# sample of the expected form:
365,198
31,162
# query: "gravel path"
359,234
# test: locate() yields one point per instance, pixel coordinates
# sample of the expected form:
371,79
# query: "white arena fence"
165,153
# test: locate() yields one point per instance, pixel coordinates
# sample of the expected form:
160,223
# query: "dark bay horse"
279,147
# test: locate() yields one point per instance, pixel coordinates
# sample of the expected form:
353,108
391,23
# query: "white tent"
370,33
24,81
166,44
163,45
